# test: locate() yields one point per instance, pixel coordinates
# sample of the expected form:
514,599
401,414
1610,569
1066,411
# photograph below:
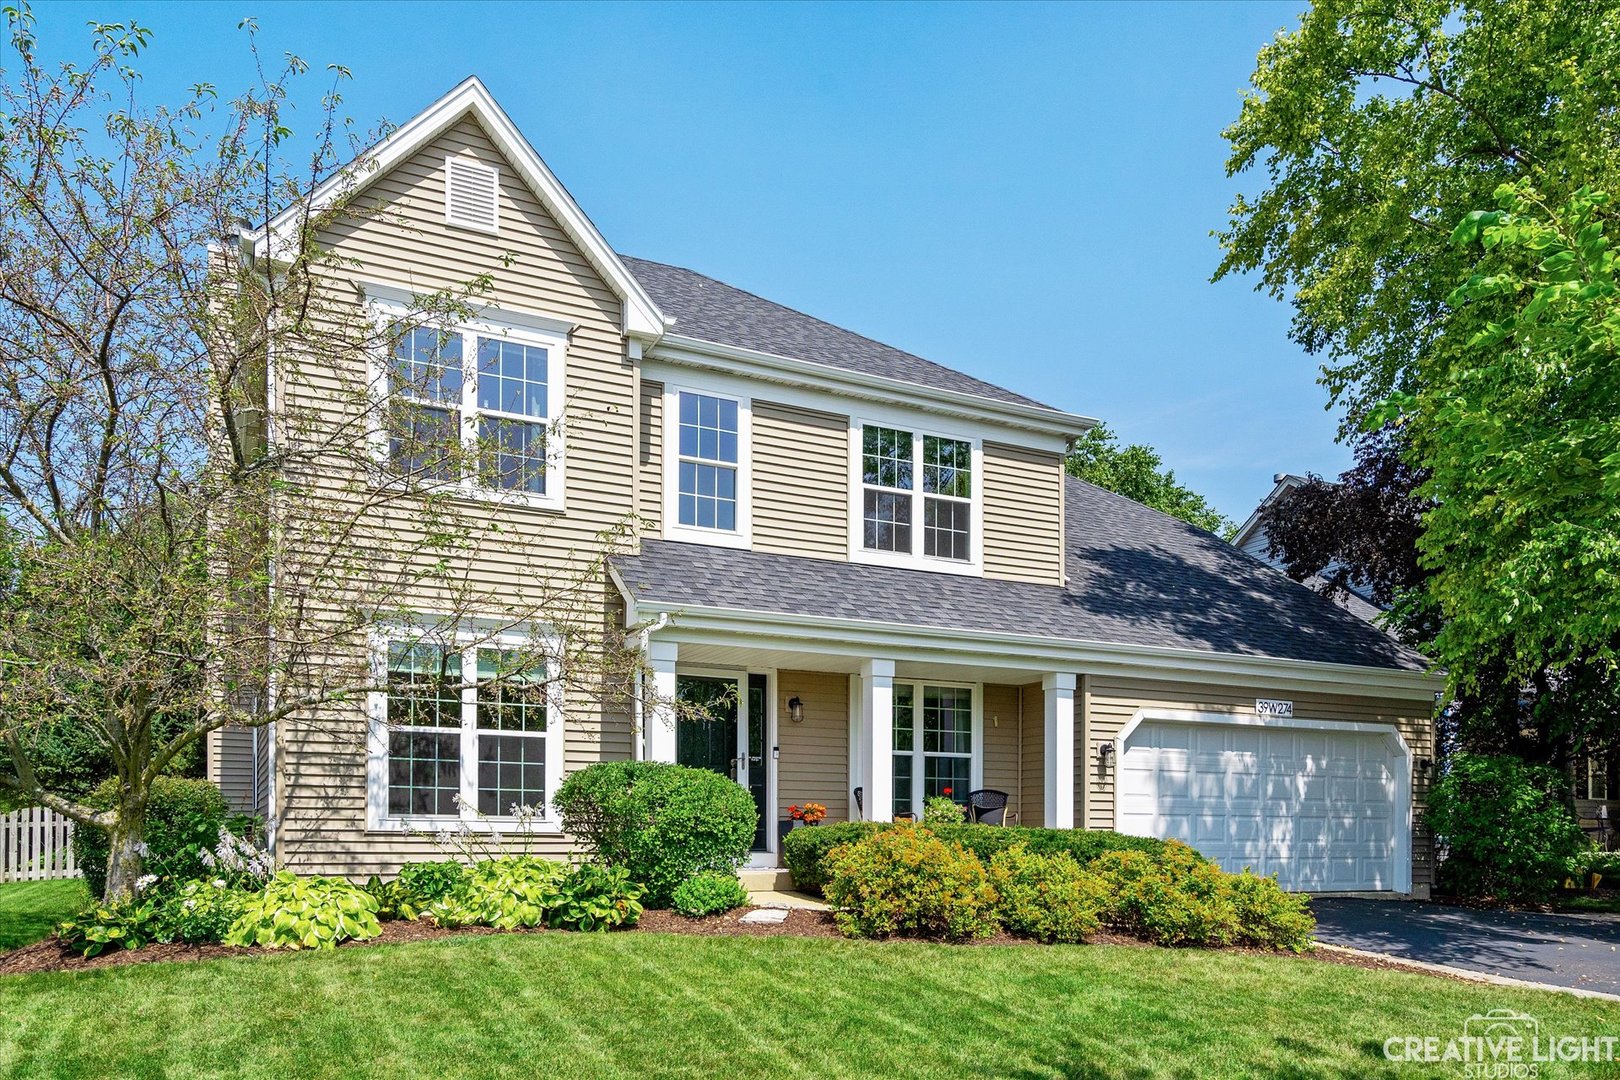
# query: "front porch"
867,737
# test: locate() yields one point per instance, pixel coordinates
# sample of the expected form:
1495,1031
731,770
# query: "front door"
729,736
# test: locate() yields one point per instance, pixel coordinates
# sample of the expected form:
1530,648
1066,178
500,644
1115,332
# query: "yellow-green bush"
906,880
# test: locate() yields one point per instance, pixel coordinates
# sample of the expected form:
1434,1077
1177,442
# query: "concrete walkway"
1565,950
774,898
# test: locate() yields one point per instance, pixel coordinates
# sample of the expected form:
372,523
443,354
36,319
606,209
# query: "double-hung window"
934,744
706,471
463,732
475,407
917,496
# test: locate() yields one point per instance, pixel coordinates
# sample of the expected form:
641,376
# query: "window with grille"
916,495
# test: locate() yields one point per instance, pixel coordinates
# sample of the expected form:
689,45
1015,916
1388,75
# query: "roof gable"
642,316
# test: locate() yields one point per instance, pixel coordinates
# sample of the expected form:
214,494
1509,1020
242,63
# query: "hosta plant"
306,913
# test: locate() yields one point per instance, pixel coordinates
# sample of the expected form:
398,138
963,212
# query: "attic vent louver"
470,194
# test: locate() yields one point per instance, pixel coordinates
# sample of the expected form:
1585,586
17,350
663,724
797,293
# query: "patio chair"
987,806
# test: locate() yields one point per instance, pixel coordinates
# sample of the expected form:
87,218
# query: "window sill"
691,534
430,826
471,493
916,562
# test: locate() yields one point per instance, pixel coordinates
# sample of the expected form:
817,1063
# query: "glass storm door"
730,737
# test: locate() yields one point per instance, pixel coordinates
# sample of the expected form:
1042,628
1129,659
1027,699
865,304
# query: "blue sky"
1025,192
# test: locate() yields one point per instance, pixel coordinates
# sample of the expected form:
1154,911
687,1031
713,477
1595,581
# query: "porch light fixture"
1105,753
796,709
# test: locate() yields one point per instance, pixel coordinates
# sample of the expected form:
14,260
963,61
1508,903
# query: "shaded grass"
30,910
667,1005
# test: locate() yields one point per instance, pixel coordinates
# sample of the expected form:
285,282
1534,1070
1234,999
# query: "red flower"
945,791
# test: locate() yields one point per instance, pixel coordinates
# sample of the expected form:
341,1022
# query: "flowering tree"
175,555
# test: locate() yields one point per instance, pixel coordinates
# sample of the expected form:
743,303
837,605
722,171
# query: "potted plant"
811,813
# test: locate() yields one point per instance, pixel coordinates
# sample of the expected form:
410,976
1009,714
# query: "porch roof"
1136,577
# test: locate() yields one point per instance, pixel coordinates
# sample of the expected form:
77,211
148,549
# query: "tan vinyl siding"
800,470
231,766
1003,736
814,766
1023,514
1114,701
321,782
649,457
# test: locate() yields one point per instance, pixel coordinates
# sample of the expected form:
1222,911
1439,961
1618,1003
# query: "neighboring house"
1251,538
884,559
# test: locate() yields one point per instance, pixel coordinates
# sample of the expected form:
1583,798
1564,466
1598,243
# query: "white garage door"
1324,810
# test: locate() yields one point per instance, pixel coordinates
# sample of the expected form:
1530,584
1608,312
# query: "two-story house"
880,557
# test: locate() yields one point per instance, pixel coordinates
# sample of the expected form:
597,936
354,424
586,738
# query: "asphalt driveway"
1566,950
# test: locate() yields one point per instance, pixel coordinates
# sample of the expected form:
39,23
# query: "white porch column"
1059,688
877,738
659,714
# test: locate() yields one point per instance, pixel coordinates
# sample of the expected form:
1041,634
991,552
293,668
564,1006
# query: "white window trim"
378,819
742,535
495,210
915,559
388,304
976,739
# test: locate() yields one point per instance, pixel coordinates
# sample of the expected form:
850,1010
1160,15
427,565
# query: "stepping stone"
766,915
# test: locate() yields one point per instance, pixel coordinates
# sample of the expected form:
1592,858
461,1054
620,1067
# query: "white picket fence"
36,844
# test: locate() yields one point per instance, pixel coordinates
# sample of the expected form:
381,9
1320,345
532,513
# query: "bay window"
916,496
461,731
934,728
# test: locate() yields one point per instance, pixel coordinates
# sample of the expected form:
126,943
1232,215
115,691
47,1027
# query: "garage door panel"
1316,808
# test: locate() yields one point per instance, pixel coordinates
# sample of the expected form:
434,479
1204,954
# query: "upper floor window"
475,406
917,495
706,467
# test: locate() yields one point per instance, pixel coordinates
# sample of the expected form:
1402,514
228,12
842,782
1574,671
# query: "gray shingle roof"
711,310
1136,577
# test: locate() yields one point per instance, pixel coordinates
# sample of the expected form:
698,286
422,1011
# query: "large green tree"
1137,472
1377,127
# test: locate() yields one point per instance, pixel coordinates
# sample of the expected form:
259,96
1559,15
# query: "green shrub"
1583,865
906,880
305,913
805,851
183,820
1045,897
1175,898
127,925
940,810
1507,826
506,893
201,912
660,822
596,897
710,892
1267,916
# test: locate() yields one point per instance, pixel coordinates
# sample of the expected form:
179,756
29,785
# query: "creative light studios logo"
1502,1045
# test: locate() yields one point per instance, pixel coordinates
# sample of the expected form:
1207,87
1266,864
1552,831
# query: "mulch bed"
52,955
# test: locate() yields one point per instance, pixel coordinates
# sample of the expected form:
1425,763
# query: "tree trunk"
126,850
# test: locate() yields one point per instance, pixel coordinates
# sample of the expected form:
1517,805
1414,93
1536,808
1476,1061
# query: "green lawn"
30,909
667,1005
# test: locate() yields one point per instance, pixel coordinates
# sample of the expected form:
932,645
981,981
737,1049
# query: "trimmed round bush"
1175,898
1507,826
1046,897
709,892
183,820
906,880
1267,916
661,823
